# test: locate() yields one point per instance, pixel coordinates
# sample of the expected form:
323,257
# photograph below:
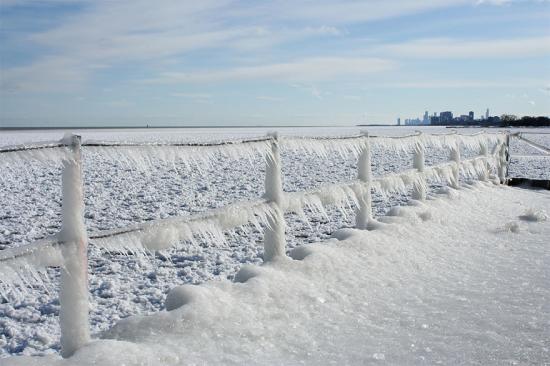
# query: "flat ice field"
461,278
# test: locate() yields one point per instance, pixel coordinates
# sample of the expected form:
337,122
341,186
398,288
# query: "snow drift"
438,283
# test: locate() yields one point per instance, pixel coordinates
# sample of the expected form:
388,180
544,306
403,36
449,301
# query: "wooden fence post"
73,297
455,157
419,187
364,174
274,236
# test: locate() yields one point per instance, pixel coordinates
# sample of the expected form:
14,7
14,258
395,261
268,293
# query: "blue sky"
302,62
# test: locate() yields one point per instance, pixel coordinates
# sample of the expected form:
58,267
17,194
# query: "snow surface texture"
438,282
117,195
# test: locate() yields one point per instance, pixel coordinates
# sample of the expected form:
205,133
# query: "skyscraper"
487,114
426,119
471,115
446,117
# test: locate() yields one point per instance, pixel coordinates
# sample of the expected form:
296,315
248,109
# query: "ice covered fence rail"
70,253
321,146
161,234
45,152
145,155
532,143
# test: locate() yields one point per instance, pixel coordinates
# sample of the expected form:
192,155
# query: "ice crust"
452,289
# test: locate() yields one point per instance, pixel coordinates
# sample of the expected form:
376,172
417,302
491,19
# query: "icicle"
162,234
16,264
51,153
143,156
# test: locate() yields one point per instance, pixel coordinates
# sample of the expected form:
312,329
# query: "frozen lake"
118,195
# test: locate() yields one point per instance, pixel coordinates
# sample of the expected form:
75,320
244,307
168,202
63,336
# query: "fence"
68,249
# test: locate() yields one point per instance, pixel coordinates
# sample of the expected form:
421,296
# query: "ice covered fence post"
455,157
484,152
364,174
419,186
73,297
274,236
504,160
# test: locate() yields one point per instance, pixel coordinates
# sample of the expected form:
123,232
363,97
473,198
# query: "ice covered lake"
118,195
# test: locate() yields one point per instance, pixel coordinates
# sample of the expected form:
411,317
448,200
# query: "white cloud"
137,32
269,98
494,2
352,11
202,96
309,69
454,48
458,84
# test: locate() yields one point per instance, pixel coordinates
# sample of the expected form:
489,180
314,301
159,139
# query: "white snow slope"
463,278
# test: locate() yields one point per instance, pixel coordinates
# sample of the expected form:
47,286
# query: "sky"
283,62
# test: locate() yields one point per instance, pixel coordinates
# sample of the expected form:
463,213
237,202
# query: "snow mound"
181,295
534,215
246,272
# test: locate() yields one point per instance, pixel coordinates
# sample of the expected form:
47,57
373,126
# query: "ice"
163,234
274,237
354,144
537,146
23,266
409,292
118,195
143,156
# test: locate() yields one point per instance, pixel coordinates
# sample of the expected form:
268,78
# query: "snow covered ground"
117,195
460,279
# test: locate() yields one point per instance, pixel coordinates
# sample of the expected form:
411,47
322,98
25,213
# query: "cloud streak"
446,48
309,69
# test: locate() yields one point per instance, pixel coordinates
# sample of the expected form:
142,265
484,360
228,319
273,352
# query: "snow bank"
439,285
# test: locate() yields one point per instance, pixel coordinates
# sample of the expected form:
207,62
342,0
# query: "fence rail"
68,249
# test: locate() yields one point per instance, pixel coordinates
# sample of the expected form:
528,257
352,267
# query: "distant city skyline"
226,62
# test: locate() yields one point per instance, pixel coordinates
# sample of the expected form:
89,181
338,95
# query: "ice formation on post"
274,235
455,157
419,186
483,151
73,315
364,174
